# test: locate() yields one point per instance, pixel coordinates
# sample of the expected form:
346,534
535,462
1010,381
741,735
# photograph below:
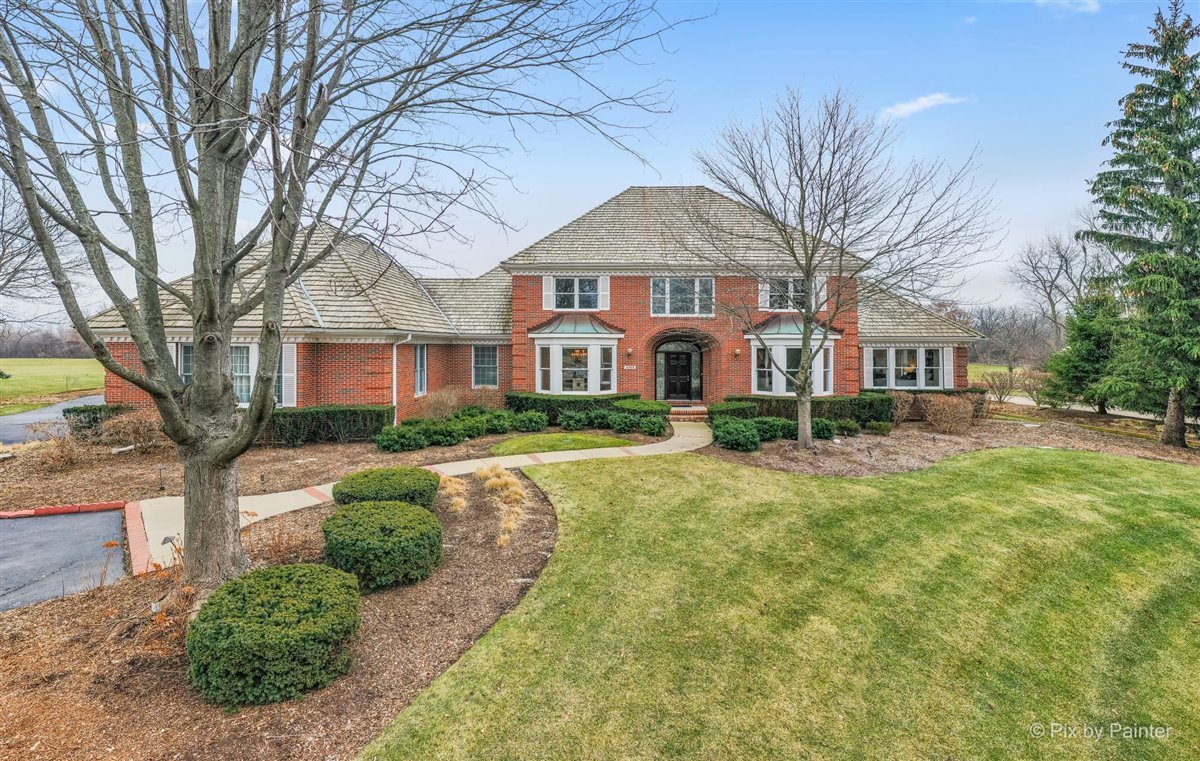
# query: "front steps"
690,413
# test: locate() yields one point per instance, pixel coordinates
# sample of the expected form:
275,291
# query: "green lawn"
15,407
39,377
975,372
556,442
701,609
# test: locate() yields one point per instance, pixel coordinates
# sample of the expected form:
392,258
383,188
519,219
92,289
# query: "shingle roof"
885,316
356,287
481,305
648,227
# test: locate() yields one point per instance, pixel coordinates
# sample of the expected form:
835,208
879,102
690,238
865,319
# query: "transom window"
784,294
576,293
906,367
485,366
682,296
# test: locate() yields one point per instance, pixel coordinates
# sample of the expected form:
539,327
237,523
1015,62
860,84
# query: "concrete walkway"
155,525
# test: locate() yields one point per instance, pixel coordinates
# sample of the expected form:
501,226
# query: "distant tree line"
23,340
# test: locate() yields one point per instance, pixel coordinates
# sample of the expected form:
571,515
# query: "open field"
707,609
556,442
976,372
32,378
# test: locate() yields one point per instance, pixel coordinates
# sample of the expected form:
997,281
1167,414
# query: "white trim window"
575,366
187,362
420,369
243,364
908,367
778,380
577,293
682,297
785,294
485,367
240,369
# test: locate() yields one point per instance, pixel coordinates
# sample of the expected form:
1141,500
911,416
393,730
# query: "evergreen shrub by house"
471,410
771,428
444,433
404,484
500,421
879,428
600,418
863,408
823,428
86,419
474,427
573,420
383,543
624,422
531,421
744,410
654,425
273,633
848,427
341,423
736,433
553,404
402,438
642,407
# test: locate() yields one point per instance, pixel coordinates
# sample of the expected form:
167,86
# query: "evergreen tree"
1149,201
1080,369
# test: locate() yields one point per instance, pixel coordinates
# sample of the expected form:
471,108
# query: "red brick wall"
960,367
117,390
343,373
726,366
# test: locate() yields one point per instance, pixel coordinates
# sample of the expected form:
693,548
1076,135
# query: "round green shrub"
383,543
848,427
573,420
623,422
654,425
879,428
823,429
396,438
767,430
471,410
403,484
736,433
273,634
444,433
474,427
500,421
600,418
531,421
785,428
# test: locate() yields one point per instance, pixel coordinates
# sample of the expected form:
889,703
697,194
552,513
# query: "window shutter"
764,294
603,288
547,292
289,375
868,366
819,294
175,355
948,367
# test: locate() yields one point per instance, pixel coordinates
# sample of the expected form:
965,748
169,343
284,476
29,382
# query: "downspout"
395,388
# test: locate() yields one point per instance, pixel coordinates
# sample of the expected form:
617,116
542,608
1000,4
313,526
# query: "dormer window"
576,293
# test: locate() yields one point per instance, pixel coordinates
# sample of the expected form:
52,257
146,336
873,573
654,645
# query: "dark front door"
679,375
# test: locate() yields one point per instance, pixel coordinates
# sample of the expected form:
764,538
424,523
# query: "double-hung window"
576,367
243,363
420,369
576,293
239,367
187,360
682,296
785,294
907,367
777,365
485,366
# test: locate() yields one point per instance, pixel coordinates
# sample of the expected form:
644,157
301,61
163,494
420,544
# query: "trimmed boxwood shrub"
471,410
531,421
654,425
85,419
771,428
624,422
574,420
474,427
736,434
403,484
643,407
402,438
745,410
553,404
600,417
848,427
383,543
863,408
823,428
273,634
444,433
339,423
879,428
499,421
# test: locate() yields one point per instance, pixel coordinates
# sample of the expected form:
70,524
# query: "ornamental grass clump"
506,489
273,634
383,543
455,489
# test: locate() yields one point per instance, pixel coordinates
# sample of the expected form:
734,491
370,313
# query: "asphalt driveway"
14,428
54,555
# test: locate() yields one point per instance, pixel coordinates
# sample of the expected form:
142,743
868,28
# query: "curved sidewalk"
154,525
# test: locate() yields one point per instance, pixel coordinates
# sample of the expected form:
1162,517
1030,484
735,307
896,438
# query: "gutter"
395,389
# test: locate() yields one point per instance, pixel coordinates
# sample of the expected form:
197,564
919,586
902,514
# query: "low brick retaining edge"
87,507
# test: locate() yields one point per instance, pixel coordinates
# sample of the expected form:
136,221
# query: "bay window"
485,366
606,368
576,366
544,369
908,367
682,296
777,364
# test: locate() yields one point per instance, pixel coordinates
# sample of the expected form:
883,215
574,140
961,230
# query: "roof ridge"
365,291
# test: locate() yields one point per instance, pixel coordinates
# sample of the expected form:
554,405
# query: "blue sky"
1033,84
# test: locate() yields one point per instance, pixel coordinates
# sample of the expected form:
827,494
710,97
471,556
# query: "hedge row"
295,426
863,409
553,404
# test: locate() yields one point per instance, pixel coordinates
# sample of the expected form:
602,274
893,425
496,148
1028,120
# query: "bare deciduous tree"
834,207
24,277
1014,336
268,131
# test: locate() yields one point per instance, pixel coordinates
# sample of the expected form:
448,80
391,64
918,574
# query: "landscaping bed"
913,446
95,676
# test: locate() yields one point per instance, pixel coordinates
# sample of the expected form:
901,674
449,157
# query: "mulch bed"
101,476
96,676
912,446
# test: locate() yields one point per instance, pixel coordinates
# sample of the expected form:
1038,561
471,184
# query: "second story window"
785,293
576,293
682,296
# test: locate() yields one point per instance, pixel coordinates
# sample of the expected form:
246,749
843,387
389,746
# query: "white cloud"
917,105
1075,6
970,20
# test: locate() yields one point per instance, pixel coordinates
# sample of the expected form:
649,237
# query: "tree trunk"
212,544
804,420
1101,407
1174,424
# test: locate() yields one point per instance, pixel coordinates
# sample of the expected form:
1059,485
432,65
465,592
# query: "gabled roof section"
884,316
575,325
653,228
480,306
355,287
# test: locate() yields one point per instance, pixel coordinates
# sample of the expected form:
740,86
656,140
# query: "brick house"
611,302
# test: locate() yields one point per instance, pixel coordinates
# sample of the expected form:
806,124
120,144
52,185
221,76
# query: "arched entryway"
678,371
